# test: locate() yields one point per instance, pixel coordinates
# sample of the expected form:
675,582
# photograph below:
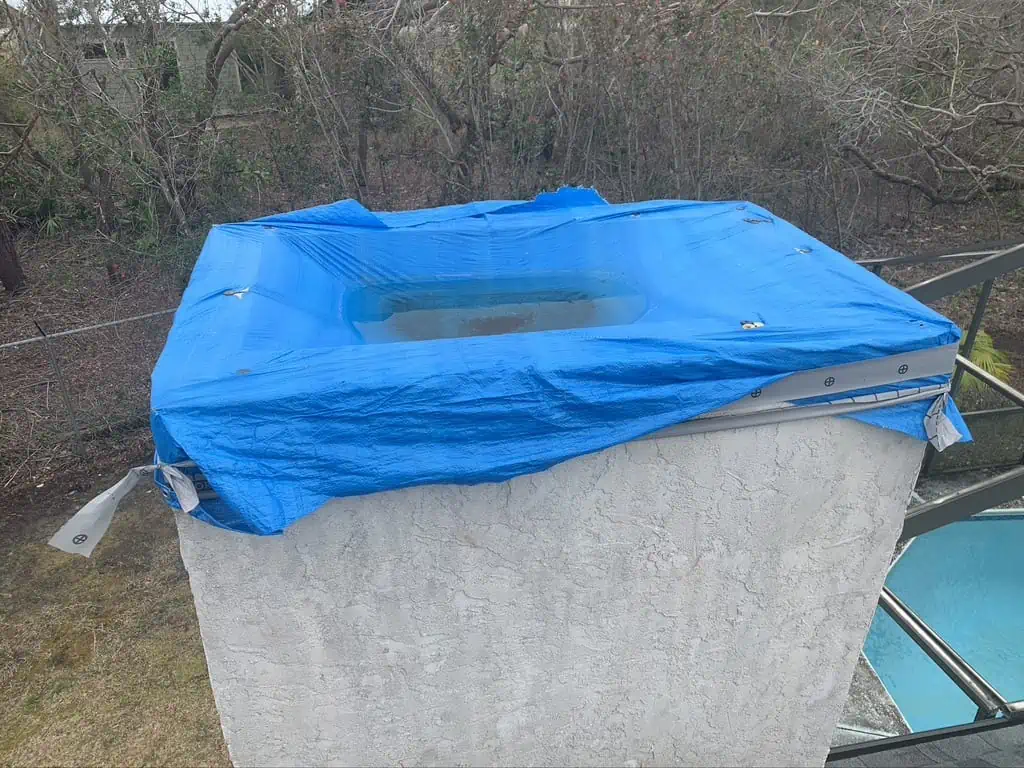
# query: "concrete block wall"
117,74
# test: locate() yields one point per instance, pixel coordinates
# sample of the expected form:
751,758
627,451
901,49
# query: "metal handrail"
979,271
963,503
967,679
1008,409
975,251
997,384
994,711
874,746
984,271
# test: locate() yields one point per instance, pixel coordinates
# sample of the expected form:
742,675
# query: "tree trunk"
11,275
362,152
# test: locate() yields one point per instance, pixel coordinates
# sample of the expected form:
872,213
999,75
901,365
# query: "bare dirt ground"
69,403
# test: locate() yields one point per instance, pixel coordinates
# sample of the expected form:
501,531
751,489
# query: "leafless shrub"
794,105
930,96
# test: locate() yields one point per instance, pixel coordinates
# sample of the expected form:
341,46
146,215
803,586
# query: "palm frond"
991,360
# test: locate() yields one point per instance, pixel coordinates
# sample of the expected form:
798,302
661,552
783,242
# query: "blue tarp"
332,351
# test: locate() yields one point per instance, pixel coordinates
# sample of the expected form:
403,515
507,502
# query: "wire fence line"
76,394
71,332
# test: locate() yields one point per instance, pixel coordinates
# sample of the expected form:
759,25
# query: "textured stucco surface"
696,600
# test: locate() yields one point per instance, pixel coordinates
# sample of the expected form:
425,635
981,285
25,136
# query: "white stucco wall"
696,600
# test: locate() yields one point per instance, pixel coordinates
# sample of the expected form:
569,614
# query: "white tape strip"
81,534
183,488
940,430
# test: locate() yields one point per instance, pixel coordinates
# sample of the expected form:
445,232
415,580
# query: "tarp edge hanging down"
82,533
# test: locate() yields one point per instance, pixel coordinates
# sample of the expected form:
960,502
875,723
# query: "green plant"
51,226
991,360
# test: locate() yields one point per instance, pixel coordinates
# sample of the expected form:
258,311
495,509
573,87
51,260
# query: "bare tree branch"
779,13
993,181
12,154
226,39
578,7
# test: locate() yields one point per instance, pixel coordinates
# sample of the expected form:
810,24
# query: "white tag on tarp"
81,534
940,430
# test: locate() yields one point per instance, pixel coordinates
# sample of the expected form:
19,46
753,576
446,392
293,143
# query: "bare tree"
685,98
12,276
931,96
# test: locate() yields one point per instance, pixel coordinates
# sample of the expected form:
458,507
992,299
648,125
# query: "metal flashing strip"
203,489
775,403
85,529
788,412
834,380
187,482
716,421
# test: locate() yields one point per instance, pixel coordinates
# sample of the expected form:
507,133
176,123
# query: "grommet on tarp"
81,534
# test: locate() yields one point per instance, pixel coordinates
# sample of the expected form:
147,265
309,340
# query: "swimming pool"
967,581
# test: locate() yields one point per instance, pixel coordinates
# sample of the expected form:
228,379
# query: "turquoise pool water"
966,580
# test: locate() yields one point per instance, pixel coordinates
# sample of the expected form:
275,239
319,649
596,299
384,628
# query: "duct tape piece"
940,430
81,534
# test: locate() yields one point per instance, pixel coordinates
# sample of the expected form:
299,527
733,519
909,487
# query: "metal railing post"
972,333
62,386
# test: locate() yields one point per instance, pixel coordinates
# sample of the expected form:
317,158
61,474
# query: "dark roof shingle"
997,748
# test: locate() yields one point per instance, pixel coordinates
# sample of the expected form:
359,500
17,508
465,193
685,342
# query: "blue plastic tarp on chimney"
332,351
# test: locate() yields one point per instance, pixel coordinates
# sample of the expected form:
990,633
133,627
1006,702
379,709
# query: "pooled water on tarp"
454,309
